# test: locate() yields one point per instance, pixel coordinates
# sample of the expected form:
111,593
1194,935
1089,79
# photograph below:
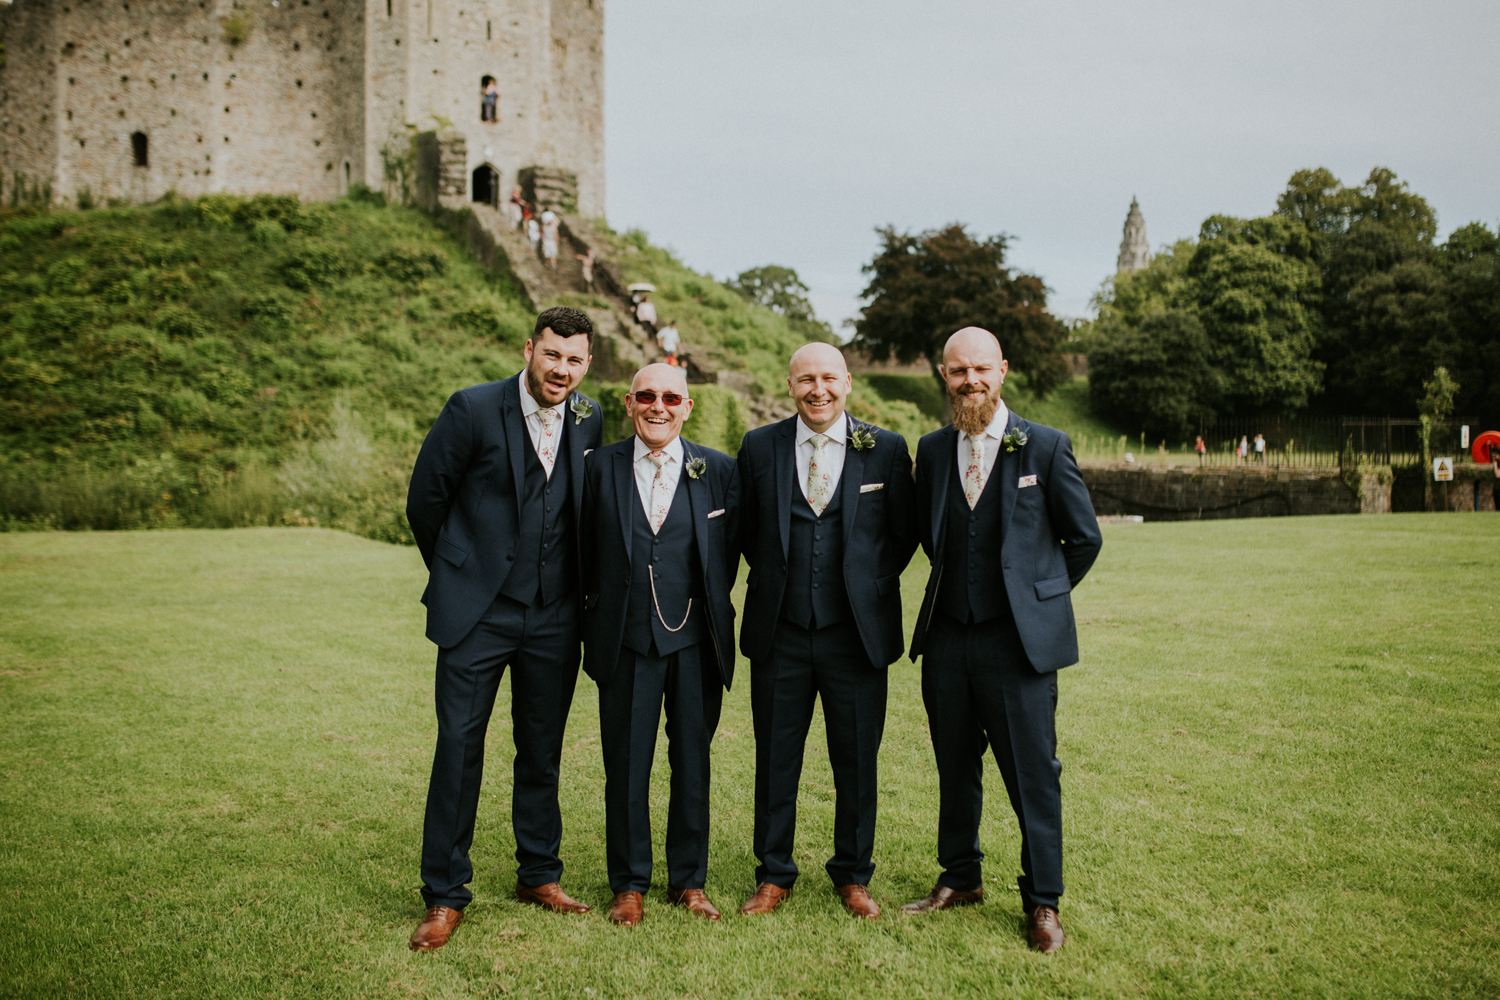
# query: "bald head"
818,381
662,378
974,342
658,422
974,370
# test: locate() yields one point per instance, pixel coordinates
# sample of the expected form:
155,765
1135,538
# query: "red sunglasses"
648,396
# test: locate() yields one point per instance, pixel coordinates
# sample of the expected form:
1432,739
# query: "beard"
535,382
972,414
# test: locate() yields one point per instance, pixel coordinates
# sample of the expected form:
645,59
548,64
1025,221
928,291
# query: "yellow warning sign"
1442,469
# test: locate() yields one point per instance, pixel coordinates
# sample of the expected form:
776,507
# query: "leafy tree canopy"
924,286
782,291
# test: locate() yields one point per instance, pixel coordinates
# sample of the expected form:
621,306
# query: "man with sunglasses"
659,561
493,505
827,526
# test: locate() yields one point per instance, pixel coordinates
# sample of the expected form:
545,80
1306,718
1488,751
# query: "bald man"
1007,524
827,527
659,561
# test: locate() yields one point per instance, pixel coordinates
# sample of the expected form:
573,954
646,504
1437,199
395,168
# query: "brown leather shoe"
432,933
695,901
627,909
857,901
943,898
767,897
550,897
1043,930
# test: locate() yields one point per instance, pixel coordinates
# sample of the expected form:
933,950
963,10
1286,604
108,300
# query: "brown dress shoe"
857,901
767,897
695,901
1043,930
943,898
550,897
432,933
627,909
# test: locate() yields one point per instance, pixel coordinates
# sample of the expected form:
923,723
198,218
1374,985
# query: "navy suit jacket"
611,505
879,533
464,502
1050,535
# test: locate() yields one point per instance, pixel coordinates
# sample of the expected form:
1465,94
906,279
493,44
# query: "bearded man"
1007,524
494,508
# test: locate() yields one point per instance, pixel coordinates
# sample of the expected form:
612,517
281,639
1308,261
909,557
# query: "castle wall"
28,100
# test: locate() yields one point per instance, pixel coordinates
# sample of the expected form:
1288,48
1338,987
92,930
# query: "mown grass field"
1281,778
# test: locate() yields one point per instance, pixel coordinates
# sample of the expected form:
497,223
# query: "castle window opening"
488,34
138,148
348,173
387,8
489,98
487,185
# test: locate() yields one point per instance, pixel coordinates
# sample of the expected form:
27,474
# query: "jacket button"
817,569
815,586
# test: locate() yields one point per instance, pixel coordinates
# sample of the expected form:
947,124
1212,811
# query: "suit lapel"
947,458
626,498
700,504
850,479
516,438
1007,466
786,480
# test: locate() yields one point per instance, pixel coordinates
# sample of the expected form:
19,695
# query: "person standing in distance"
827,525
1007,523
659,561
493,506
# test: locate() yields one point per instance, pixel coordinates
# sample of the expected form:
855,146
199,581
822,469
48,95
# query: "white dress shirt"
645,471
833,453
992,435
529,412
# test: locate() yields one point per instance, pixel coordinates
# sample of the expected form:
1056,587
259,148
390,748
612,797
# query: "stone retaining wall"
1212,494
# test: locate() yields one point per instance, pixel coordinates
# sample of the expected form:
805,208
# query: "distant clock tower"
1135,252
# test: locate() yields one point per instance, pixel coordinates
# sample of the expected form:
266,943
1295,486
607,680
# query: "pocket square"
715,513
1026,481
587,452
871,487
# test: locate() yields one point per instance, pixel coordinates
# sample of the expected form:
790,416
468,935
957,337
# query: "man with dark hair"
1006,521
494,508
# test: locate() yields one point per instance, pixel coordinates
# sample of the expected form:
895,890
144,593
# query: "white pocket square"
715,513
1026,481
871,487
587,452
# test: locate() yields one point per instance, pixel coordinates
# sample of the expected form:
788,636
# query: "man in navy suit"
827,519
659,561
1007,523
493,505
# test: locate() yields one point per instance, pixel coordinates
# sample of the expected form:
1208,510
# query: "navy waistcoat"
545,560
973,586
671,557
815,594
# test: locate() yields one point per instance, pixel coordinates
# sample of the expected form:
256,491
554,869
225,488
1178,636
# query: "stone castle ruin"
131,99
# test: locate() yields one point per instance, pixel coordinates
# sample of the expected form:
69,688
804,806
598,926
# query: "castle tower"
1135,252
103,100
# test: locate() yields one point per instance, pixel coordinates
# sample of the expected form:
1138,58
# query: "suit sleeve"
1072,512
588,534
901,507
922,505
439,472
748,528
732,525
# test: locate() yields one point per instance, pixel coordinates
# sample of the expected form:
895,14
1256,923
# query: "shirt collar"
838,432
996,429
529,405
673,449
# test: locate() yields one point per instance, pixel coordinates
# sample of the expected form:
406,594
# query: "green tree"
780,290
924,286
1154,376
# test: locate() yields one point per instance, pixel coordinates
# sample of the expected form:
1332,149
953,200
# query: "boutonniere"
1014,438
582,409
696,468
863,438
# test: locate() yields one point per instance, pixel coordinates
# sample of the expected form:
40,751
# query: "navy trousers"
979,688
630,709
806,664
540,645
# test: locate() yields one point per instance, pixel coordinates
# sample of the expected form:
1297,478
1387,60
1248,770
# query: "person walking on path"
645,313
586,265
489,99
1201,449
660,555
1243,449
1260,448
493,507
550,224
669,341
827,521
534,233
1005,519
517,206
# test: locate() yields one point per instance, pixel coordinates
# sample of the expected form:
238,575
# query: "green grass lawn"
1281,778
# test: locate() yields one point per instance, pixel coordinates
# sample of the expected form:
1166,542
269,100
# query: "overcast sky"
785,132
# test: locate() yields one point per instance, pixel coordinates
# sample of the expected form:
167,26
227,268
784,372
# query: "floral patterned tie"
661,498
974,474
819,485
547,451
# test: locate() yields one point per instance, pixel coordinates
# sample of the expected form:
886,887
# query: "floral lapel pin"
863,438
1014,438
696,468
581,407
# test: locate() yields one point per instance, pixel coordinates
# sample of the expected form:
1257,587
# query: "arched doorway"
487,185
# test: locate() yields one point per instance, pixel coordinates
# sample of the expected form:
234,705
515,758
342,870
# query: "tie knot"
818,441
547,415
658,458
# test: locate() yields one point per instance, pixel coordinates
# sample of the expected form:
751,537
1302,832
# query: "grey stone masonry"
1212,494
